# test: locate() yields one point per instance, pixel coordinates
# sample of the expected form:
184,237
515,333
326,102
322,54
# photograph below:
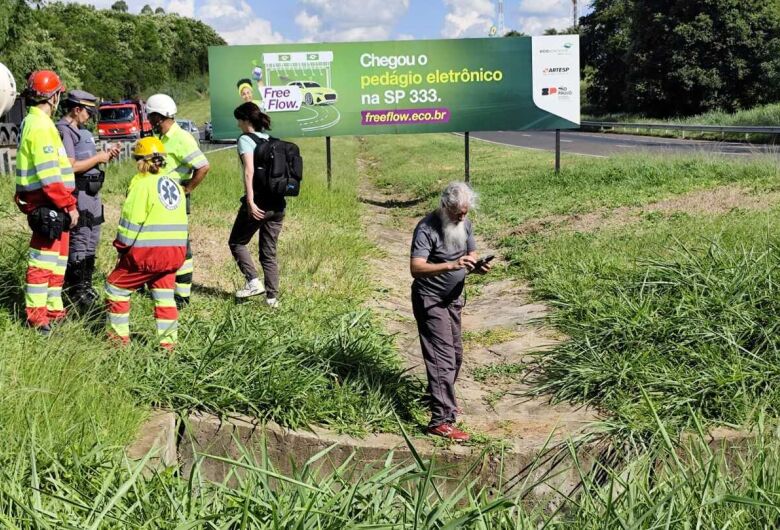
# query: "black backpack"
278,167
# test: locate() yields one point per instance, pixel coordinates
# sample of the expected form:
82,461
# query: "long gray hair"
458,194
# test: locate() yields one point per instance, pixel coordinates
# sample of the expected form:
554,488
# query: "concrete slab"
158,435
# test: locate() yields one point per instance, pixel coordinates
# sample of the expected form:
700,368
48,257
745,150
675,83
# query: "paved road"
603,145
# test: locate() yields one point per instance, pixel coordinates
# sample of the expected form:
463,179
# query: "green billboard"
399,86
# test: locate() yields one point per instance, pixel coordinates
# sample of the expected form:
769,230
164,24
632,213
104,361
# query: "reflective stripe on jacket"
44,175
184,156
153,224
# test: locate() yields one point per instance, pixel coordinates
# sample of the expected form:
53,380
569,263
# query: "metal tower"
575,14
501,30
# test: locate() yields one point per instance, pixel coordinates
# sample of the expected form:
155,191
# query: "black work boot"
88,293
71,287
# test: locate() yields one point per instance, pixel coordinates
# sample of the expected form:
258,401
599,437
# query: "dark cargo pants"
244,229
438,323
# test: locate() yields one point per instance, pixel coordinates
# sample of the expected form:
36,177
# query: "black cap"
82,98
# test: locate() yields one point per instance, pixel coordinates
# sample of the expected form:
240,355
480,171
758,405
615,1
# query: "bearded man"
443,252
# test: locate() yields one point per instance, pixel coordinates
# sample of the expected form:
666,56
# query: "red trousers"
121,283
46,263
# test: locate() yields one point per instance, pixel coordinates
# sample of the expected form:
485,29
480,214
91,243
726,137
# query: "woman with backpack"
261,211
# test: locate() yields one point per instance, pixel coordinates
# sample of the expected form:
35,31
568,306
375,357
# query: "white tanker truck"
12,109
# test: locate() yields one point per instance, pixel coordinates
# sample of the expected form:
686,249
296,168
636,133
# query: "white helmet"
162,104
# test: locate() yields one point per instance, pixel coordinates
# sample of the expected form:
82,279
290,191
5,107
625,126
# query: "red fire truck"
123,120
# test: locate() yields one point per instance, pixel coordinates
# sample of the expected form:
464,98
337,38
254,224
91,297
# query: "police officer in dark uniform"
80,107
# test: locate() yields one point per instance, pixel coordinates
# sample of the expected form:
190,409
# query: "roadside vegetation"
668,314
763,115
672,304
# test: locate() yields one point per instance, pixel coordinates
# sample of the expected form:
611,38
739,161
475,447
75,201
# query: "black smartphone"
480,262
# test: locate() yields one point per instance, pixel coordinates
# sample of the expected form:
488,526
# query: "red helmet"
43,84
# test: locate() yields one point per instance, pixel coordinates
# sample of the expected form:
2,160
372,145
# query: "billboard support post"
467,161
328,158
557,151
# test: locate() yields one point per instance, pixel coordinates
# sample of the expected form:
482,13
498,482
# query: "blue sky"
264,21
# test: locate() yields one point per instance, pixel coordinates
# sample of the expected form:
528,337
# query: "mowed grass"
679,307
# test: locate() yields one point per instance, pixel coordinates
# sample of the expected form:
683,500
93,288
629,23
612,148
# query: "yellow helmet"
148,147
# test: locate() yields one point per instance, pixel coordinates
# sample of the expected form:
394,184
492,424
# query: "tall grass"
690,484
678,306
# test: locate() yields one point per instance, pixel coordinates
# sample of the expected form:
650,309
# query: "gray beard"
455,234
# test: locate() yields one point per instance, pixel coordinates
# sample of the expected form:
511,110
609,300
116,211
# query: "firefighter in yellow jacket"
152,243
44,191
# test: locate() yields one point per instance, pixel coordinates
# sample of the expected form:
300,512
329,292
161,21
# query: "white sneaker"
252,288
272,302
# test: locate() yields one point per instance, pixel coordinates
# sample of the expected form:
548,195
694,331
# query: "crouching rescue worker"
44,191
152,242
80,107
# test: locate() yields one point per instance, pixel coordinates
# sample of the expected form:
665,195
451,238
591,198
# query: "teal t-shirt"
246,145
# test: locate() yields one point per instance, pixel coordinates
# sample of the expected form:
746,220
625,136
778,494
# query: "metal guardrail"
722,129
8,154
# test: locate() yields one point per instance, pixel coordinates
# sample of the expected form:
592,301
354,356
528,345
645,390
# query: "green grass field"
670,316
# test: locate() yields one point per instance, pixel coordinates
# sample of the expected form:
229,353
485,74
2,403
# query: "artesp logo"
169,193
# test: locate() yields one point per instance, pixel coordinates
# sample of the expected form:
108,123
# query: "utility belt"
88,219
90,183
49,222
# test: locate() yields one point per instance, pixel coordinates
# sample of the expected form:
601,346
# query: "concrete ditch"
538,473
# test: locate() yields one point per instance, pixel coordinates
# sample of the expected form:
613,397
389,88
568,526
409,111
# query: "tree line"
667,58
110,52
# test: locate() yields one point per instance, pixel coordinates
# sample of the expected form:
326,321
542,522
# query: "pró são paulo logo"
561,91
556,70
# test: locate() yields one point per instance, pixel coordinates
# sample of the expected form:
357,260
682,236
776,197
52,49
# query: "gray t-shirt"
428,243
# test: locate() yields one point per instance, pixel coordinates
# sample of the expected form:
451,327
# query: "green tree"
159,11
120,5
665,58
605,36
514,33
146,10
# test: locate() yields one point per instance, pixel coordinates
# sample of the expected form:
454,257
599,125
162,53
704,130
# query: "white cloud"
539,15
468,18
349,20
185,8
236,21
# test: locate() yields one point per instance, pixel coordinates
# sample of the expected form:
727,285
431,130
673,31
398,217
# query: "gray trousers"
84,239
438,323
243,230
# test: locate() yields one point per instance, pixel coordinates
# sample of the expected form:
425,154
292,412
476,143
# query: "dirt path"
500,327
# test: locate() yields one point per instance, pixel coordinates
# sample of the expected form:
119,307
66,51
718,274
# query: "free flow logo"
549,91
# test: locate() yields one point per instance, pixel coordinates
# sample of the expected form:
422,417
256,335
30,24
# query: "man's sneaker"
252,288
272,302
446,430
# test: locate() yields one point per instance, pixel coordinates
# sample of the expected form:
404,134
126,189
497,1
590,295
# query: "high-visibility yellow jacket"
153,225
183,154
44,176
